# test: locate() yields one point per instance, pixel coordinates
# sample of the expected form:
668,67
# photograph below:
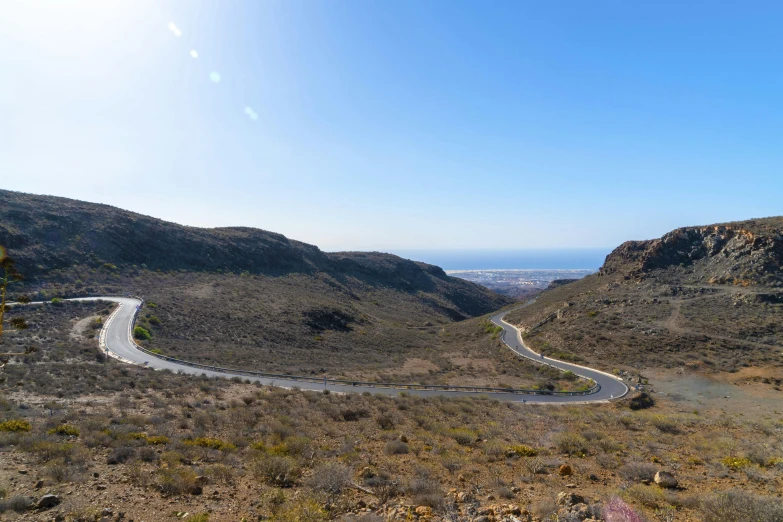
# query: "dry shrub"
384,486
220,473
395,447
331,478
618,511
638,471
121,454
304,510
18,503
463,436
276,470
544,509
571,443
425,490
647,496
741,506
176,481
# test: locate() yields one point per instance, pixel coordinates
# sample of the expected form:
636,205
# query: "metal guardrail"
340,382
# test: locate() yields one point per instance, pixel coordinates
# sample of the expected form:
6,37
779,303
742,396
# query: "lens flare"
174,29
214,76
251,113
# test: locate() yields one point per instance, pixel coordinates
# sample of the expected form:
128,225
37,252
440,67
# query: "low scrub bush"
395,447
121,454
176,481
148,454
47,451
544,509
618,511
664,423
15,426
141,333
18,503
331,478
383,486
638,471
641,402
276,471
741,506
157,440
64,429
220,473
735,463
571,444
61,472
207,442
463,436
647,496
520,450
304,510
385,421
425,490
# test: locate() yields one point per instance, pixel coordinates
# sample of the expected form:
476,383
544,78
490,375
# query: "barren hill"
709,297
240,296
747,253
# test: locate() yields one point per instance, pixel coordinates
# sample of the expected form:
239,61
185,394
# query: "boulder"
666,480
48,502
565,470
423,511
569,499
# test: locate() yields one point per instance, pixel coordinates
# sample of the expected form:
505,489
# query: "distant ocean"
509,259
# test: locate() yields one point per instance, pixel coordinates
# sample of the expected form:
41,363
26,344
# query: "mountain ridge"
741,253
704,297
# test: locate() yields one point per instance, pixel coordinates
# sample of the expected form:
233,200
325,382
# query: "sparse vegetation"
141,333
94,428
64,429
15,426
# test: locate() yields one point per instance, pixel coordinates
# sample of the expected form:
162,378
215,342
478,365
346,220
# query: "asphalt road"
117,341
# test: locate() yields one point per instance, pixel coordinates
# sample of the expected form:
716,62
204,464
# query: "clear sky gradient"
401,124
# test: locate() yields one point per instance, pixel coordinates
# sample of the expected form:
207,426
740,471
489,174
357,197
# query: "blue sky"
401,124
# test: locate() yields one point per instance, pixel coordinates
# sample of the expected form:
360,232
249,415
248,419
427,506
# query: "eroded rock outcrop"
743,254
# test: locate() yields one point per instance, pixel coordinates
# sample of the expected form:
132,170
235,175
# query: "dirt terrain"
125,443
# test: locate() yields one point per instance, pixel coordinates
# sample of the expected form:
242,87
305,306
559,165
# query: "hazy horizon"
531,259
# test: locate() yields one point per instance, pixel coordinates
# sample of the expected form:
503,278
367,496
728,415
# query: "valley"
690,323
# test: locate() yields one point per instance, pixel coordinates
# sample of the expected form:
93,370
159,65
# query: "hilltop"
707,298
746,253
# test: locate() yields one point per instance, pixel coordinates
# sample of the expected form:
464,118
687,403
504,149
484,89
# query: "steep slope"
748,253
241,296
708,297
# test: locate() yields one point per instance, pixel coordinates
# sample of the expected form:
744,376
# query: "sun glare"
174,29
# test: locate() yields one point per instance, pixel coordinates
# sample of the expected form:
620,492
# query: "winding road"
116,339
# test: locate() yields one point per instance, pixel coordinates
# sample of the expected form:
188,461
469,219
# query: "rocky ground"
86,439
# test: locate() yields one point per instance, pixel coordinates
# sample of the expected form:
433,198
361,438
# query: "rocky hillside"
45,234
241,296
748,253
706,297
